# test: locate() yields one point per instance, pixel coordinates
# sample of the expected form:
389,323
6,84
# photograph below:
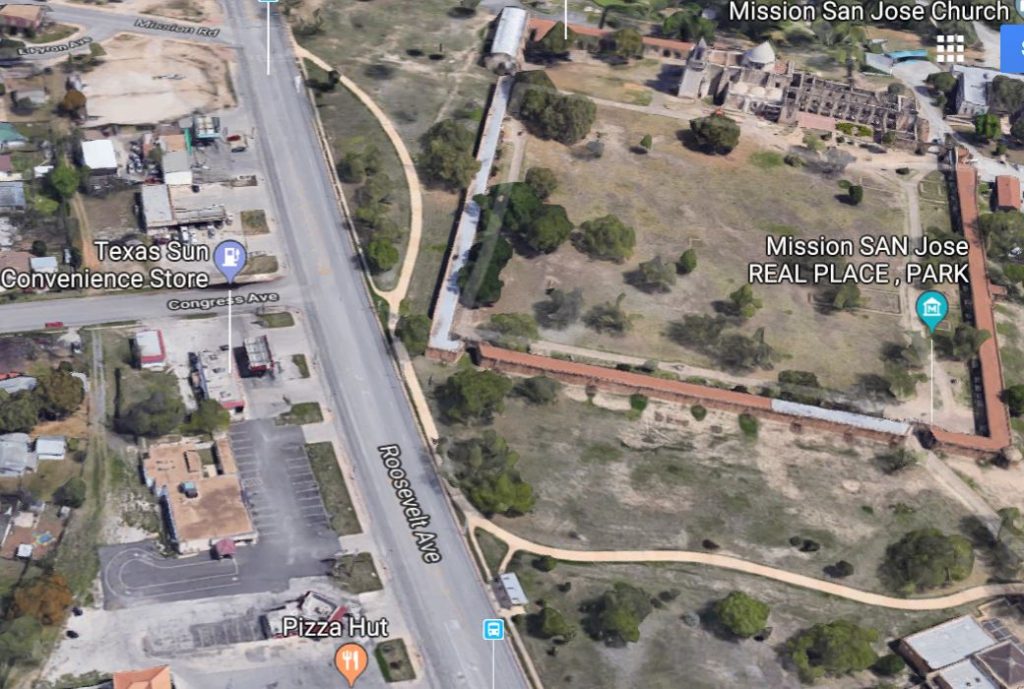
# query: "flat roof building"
1007,193
217,382
177,168
512,592
51,447
100,157
257,352
156,207
216,512
149,346
12,195
945,644
44,264
15,456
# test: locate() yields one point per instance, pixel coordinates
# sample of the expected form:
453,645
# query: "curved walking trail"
395,295
952,600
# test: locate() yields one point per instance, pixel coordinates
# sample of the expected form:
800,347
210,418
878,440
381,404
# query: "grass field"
667,481
393,660
278,319
356,573
934,202
333,490
623,83
493,550
723,208
302,413
254,222
301,364
668,647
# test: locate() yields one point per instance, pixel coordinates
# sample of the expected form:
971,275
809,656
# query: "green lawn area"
393,659
668,645
934,202
52,34
277,319
356,573
300,363
494,550
333,490
264,264
127,385
254,222
302,413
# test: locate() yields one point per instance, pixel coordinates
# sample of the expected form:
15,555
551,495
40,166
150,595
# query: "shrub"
742,615
698,412
748,424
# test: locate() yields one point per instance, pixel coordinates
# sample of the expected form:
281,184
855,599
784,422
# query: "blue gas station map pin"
229,257
932,308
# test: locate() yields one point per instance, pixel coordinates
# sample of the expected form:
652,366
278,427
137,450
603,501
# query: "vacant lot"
668,647
333,490
604,481
723,208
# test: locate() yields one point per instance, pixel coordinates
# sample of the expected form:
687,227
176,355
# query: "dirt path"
952,600
393,296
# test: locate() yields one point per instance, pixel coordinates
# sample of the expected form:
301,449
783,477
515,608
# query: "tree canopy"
616,616
46,598
414,332
446,156
687,24
381,255
485,469
832,650
742,615
656,275
715,133
209,417
59,393
542,181
926,559
625,43
480,278
156,415
63,179
472,395
553,115
1003,232
549,623
560,310
606,238
987,127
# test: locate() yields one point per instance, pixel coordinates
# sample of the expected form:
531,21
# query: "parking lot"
295,538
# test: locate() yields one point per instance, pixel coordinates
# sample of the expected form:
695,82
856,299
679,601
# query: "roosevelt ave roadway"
443,604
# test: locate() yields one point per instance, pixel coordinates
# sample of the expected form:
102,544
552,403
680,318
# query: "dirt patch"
142,80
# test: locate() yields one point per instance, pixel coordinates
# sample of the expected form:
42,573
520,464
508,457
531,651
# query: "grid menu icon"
949,48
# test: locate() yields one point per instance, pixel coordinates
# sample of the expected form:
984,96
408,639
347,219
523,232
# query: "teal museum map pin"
932,308
229,257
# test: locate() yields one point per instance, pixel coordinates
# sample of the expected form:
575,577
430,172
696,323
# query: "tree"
1006,95
548,230
1009,521
549,623
158,414
45,598
1015,399
987,127
1003,232
539,390
560,310
744,303
19,641
552,115
381,255
545,563
687,262
741,353
555,44
942,82
967,340
813,142
485,470
841,569
59,393
688,24
606,238
480,282
1017,129
472,395
698,331
715,133
616,616
926,559
647,142
542,181
609,317
512,330
446,156
847,297
414,332
209,417
889,665
656,275
73,102
39,248
856,194
19,413
896,461
626,43
63,180
73,492
832,649
741,614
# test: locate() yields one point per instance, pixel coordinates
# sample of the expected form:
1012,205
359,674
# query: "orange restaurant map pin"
351,662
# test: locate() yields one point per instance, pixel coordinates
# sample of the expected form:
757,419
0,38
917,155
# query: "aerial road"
436,584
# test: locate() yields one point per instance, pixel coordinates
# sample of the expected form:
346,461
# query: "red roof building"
1007,193
150,347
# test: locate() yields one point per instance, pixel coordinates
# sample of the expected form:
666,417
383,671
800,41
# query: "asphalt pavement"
443,603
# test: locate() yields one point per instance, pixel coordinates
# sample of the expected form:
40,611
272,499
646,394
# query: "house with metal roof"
12,196
508,37
945,644
15,456
51,447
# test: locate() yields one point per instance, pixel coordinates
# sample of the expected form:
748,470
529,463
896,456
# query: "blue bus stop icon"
494,630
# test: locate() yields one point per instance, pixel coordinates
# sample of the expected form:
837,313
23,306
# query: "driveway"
296,539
